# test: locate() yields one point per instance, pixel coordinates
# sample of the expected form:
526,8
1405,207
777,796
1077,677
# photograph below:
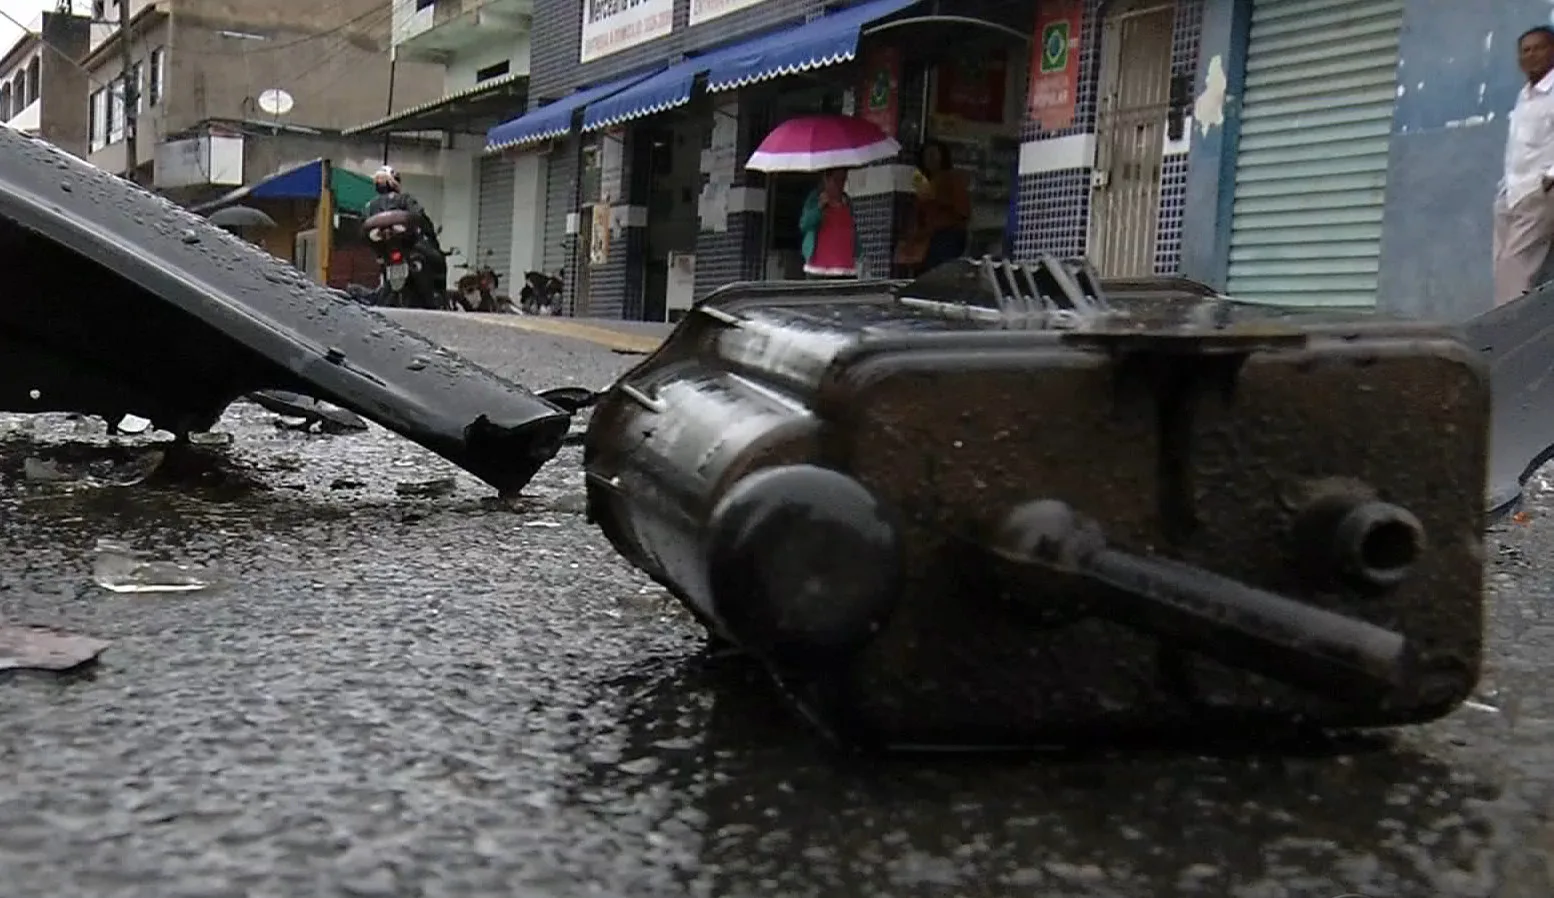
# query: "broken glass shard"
120,569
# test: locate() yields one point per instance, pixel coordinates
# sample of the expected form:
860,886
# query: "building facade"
487,205
1304,152
41,87
647,190
218,79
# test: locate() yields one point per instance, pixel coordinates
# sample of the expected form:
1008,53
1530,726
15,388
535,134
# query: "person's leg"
1523,235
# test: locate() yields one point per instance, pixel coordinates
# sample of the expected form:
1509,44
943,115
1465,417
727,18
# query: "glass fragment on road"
118,568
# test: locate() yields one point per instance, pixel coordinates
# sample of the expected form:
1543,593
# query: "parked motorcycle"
477,291
406,283
541,294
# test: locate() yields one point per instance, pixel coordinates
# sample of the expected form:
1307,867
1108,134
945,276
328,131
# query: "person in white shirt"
1524,206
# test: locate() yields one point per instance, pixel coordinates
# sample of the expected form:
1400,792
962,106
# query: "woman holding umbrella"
830,232
830,144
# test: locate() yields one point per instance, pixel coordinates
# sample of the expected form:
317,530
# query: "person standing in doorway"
830,232
1524,205
943,205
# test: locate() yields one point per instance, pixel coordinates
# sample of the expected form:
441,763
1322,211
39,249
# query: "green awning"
352,191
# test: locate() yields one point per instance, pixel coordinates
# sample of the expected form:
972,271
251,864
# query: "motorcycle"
406,283
541,293
476,291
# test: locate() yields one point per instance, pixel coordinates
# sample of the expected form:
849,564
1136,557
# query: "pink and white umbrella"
816,143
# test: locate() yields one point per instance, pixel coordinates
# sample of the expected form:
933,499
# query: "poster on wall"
707,10
973,90
1054,87
599,235
610,26
879,97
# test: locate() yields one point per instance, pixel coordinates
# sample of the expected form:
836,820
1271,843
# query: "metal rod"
951,20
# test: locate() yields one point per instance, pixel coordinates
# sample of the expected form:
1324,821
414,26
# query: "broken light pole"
118,302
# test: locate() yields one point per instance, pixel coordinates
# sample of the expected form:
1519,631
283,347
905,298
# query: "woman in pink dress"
830,232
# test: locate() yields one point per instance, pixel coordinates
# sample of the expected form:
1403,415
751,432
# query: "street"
392,687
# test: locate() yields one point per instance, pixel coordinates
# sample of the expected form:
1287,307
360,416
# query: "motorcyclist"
391,196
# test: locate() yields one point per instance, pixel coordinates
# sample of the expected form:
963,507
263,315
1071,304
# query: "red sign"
973,90
879,97
1055,64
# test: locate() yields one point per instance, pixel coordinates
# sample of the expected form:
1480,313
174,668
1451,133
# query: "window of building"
19,90
154,87
138,81
34,79
492,71
5,103
116,111
99,10
98,115
423,4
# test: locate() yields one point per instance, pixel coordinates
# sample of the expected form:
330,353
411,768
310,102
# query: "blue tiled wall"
1054,206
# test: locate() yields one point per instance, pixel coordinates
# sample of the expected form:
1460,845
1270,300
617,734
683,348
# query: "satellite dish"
275,101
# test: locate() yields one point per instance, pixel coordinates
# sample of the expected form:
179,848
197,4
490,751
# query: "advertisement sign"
1054,85
973,90
707,10
879,97
599,235
610,26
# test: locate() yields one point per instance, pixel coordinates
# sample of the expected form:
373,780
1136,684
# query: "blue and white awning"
555,120
825,41
669,89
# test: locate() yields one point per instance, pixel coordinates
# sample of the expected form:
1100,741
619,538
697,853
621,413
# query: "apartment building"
40,84
221,87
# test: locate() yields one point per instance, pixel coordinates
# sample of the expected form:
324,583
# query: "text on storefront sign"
610,26
707,10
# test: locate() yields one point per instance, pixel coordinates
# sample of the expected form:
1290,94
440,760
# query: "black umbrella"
241,217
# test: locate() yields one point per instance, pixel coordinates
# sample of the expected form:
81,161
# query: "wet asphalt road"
406,696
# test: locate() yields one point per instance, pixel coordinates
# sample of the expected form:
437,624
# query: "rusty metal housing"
1010,505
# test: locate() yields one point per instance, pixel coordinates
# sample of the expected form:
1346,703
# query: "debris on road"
118,568
46,649
40,470
300,412
428,489
1011,505
213,318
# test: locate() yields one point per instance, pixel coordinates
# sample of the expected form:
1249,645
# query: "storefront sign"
610,26
973,90
879,97
1055,64
707,10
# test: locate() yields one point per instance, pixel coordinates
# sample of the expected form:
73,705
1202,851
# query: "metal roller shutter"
1311,165
494,220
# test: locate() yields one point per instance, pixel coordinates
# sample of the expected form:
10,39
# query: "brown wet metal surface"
417,695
